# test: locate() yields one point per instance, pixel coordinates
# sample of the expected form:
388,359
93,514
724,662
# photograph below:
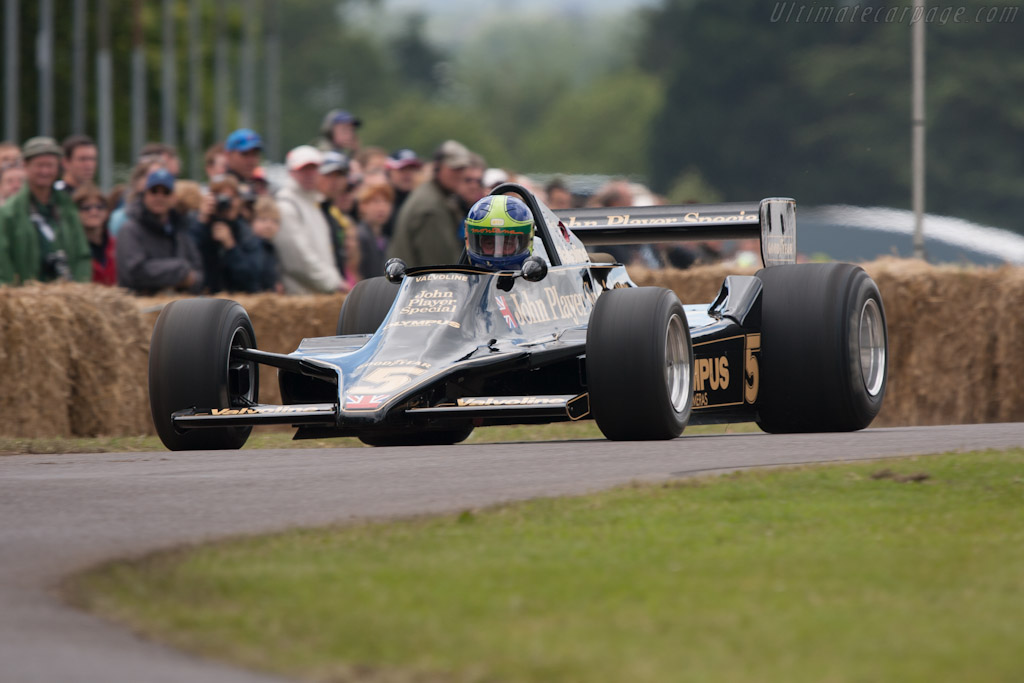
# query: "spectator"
471,190
266,224
215,161
376,203
374,163
163,154
93,211
136,185
494,177
403,173
338,203
340,131
10,154
188,197
79,163
154,249
426,231
232,254
303,244
558,195
244,148
260,186
12,178
44,238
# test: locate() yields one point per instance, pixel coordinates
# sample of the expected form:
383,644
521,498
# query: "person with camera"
154,249
232,253
41,237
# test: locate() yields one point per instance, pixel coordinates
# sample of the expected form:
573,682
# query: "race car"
427,354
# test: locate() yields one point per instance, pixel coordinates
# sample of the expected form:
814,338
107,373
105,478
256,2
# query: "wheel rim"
241,374
872,347
677,364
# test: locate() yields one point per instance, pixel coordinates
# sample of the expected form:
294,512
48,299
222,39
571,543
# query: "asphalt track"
63,513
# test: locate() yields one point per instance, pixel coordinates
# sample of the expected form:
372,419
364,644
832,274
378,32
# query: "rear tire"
824,349
189,367
639,364
426,437
366,306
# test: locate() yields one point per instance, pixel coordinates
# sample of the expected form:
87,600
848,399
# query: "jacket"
238,269
304,247
426,231
150,258
104,261
21,252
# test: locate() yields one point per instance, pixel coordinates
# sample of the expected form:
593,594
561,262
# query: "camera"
57,265
223,205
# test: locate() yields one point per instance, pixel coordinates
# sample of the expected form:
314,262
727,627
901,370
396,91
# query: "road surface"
64,513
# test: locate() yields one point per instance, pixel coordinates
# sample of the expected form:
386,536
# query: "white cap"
303,155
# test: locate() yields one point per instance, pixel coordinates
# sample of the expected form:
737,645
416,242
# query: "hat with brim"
334,162
302,156
160,177
453,154
39,146
243,140
404,158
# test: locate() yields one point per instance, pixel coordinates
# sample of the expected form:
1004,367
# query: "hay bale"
73,357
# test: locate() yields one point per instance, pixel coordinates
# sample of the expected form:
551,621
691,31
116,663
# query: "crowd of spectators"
340,213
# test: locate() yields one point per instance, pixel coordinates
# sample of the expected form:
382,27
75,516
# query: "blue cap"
161,177
342,116
243,140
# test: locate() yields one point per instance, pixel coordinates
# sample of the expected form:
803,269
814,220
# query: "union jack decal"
364,401
507,314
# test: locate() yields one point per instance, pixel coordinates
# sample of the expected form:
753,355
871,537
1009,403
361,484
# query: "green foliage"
603,128
690,187
821,111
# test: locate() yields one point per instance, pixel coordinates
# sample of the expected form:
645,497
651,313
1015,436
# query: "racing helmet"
499,232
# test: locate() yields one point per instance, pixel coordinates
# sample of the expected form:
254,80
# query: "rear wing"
772,221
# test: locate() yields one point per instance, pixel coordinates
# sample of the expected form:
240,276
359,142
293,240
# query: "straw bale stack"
73,358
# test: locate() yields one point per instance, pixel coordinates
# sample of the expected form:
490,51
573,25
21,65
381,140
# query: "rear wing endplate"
772,221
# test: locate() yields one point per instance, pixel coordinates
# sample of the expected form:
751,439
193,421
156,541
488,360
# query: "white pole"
193,133
44,61
917,125
12,100
139,133
169,83
78,67
105,86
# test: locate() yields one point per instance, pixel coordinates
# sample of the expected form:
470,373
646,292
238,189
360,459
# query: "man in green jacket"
42,237
427,227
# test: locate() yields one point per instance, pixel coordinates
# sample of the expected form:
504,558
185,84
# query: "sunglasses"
92,207
158,190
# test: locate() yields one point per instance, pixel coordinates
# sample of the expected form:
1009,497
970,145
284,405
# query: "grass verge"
907,570
559,431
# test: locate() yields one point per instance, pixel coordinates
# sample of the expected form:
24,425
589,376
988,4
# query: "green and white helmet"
499,232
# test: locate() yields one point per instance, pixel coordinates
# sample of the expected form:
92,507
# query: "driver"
499,232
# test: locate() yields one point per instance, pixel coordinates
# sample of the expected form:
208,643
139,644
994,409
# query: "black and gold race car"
426,354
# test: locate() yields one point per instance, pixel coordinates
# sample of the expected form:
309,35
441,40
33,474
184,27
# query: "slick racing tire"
824,349
366,306
190,366
639,364
423,437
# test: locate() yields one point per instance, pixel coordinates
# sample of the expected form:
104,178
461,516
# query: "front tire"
639,364
824,349
190,367
366,306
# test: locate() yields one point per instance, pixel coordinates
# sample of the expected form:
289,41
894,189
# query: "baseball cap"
303,155
160,177
404,158
453,154
39,146
243,140
342,116
334,162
